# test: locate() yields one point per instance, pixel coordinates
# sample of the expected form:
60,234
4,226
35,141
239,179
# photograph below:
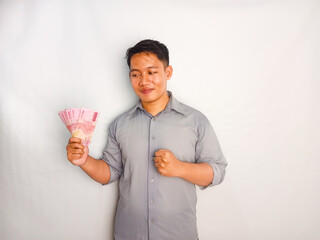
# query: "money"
80,122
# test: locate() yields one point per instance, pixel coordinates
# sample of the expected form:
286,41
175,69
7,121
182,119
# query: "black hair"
150,46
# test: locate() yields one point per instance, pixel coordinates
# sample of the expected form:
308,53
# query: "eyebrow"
131,70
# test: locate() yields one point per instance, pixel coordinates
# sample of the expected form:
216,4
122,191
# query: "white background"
252,67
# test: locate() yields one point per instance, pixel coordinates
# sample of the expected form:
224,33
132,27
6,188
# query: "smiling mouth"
146,91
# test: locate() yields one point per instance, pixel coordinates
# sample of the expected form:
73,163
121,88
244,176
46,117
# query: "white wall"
251,66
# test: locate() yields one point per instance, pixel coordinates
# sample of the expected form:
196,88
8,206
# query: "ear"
129,75
169,71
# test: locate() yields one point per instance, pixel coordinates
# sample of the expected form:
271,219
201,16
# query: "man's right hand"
77,153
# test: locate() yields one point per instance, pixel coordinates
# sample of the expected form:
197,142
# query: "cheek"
134,84
160,82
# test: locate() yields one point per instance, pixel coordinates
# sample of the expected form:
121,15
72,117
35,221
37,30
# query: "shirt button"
152,180
153,119
151,201
152,221
153,137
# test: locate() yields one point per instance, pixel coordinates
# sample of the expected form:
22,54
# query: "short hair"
149,46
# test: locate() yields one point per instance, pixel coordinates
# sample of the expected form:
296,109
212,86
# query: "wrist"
85,162
182,169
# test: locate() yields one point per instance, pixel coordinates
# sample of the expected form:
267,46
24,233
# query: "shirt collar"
173,104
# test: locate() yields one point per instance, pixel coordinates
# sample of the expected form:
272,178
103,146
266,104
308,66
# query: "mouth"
146,91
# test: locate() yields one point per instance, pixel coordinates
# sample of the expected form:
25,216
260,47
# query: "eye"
134,74
152,72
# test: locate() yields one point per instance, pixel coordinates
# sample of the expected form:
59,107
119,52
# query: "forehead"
145,60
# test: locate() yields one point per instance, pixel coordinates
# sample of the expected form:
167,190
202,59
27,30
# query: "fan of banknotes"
80,122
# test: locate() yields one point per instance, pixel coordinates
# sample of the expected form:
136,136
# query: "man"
159,150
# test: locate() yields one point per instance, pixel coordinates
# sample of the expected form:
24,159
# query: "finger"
157,159
76,151
75,140
75,156
75,145
157,153
160,163
160,152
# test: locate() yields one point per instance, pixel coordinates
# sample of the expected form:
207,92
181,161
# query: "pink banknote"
80,122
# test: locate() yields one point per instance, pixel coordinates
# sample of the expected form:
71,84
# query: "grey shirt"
152,206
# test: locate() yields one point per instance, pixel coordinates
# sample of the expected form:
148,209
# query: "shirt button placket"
152,181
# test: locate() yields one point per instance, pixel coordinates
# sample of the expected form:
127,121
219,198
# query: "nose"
145,80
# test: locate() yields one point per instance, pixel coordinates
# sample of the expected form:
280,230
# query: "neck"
157,106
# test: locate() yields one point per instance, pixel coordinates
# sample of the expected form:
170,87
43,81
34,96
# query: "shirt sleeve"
112,154
208,150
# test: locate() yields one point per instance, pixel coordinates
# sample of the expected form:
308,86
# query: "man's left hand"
167,164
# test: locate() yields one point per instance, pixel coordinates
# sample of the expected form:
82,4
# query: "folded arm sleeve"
112,155
208,150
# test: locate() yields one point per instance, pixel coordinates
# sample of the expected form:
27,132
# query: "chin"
147,98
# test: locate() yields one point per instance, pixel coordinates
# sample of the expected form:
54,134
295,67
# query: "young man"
159,150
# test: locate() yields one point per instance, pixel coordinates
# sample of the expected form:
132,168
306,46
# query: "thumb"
86,150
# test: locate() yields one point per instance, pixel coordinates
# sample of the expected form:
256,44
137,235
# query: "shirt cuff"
219,169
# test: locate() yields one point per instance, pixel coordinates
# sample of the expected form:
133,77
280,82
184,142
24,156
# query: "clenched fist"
167,164
77,153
